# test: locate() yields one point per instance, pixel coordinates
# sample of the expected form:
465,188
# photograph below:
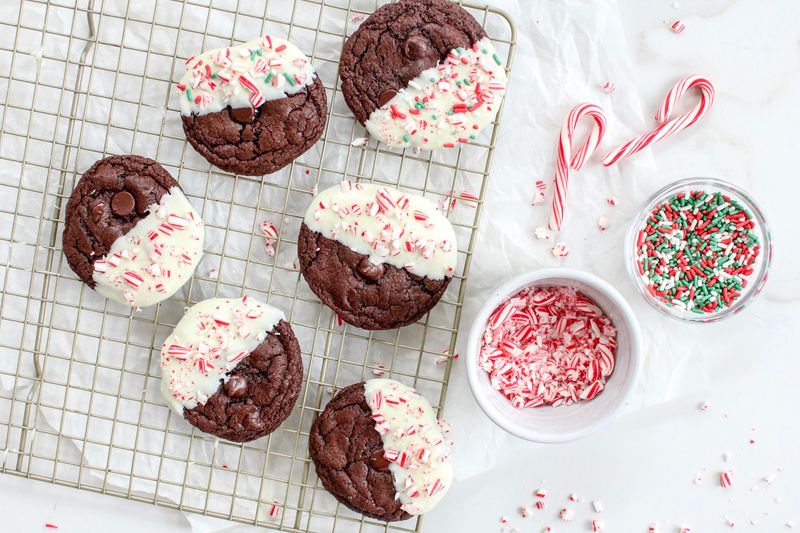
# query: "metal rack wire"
79,377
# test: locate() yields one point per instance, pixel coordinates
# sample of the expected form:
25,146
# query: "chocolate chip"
416,47
369,270
245,115
235,387
378,461
386,96
123,203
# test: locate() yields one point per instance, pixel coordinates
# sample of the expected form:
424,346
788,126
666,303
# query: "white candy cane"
576,162
668,127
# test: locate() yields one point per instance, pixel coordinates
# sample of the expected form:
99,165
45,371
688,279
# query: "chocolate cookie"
378,257
254,108
232,368
422,73
379,450
130,232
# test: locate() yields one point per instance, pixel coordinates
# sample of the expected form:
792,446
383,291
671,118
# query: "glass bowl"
755,281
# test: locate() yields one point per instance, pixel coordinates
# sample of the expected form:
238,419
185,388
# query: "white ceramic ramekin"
566,422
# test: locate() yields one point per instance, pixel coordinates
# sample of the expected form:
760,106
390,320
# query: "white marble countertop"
642,467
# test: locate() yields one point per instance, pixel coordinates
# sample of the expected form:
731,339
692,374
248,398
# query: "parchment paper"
563,55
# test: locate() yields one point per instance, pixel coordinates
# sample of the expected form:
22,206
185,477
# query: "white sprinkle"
598,506
726,456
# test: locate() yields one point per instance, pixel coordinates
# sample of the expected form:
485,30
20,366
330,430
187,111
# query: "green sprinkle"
406,138
497,58
692,253
289,79
189,94
269,77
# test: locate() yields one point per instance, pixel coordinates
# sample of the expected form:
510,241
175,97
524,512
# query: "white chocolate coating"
209,341
446,104
390,226
413,442
156,257
246,75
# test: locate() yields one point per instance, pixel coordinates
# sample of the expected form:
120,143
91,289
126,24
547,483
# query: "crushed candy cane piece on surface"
560,250
726,479
608,87
603,222
678,27
542,233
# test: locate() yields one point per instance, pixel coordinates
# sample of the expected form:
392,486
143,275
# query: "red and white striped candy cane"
564,163
668,127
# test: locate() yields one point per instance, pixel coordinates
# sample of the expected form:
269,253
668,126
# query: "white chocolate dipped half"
209,341
246,75
444,105
156,257
414,443
387,225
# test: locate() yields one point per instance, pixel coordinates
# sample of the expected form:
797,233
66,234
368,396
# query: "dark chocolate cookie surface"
108,201
364,294
395,44
260,141
259,394
349,457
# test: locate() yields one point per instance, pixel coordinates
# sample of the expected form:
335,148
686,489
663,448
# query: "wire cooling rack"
79,375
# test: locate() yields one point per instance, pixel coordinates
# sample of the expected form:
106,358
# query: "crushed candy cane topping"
548,346
209,341
444,105
247,75
414,443
155,257
390,226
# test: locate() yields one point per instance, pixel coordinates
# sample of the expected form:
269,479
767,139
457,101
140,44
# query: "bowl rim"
760,278
513,286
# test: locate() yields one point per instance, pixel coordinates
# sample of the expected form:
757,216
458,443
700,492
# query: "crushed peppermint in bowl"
552,355
699,250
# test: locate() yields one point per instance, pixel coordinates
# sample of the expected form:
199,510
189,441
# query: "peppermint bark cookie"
378,257
130,232
253,108
378,448
422,74
232,368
